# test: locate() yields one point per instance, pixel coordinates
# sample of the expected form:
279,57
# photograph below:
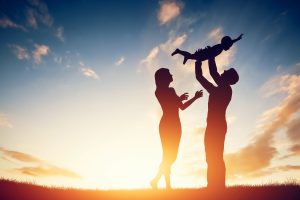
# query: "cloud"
276,169
42,171
60,33
31,20
173,42
288,167
19,156
37,166
4,122
120,61
58,59
166,48
254,157
21,52
38,12
87,71
168,11
257,156
151,56
292,132
7,23
216,34
40,50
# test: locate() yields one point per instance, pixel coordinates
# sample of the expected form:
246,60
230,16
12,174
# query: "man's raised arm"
213,71
202,80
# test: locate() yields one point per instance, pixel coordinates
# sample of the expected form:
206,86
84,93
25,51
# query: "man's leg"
214,147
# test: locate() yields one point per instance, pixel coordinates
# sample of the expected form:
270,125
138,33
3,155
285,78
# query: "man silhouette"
219,99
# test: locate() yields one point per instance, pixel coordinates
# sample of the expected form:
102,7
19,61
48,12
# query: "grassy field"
11,190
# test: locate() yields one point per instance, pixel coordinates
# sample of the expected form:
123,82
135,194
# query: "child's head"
163,77
226,42
230,76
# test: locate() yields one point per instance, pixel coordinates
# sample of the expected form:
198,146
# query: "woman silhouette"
169,126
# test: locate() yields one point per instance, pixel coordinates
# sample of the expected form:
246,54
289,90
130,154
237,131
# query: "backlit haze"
77,105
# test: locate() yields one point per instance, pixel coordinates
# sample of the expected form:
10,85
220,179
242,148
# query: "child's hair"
227,42
160,76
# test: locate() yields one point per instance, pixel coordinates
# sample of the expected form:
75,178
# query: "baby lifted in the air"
204,54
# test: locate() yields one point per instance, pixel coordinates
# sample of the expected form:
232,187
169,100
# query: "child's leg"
186,55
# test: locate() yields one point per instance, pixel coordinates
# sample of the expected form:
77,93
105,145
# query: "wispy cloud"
4,122
60,33
165,48
39,52
173,42
120,61
168,11
31,20
38,12
8,23
19,156
258,154
42,171
289,84
20,52
58,59
34,166
87,71
216,34
150,57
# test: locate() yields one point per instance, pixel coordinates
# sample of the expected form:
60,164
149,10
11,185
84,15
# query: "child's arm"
186,104
202,80
238,38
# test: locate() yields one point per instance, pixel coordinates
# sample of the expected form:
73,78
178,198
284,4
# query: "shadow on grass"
11,190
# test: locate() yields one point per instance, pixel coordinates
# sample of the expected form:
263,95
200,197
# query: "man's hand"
183,97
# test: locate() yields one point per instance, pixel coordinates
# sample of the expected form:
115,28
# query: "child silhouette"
204,54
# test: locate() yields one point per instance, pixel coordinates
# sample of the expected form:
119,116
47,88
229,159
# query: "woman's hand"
198,94
183,97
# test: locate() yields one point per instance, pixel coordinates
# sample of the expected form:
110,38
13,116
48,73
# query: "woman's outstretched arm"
186,104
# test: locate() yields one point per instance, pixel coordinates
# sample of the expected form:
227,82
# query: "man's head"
230,76
226,42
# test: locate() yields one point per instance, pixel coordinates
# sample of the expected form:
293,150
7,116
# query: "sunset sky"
77,105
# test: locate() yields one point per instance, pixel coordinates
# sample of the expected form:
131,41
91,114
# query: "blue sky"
77,85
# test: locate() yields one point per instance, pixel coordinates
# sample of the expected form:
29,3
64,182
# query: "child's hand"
240,37
183,97
198,94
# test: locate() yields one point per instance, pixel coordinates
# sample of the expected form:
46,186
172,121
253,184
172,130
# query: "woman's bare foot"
153,184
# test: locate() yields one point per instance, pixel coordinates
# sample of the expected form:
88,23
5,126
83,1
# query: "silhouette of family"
219,99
